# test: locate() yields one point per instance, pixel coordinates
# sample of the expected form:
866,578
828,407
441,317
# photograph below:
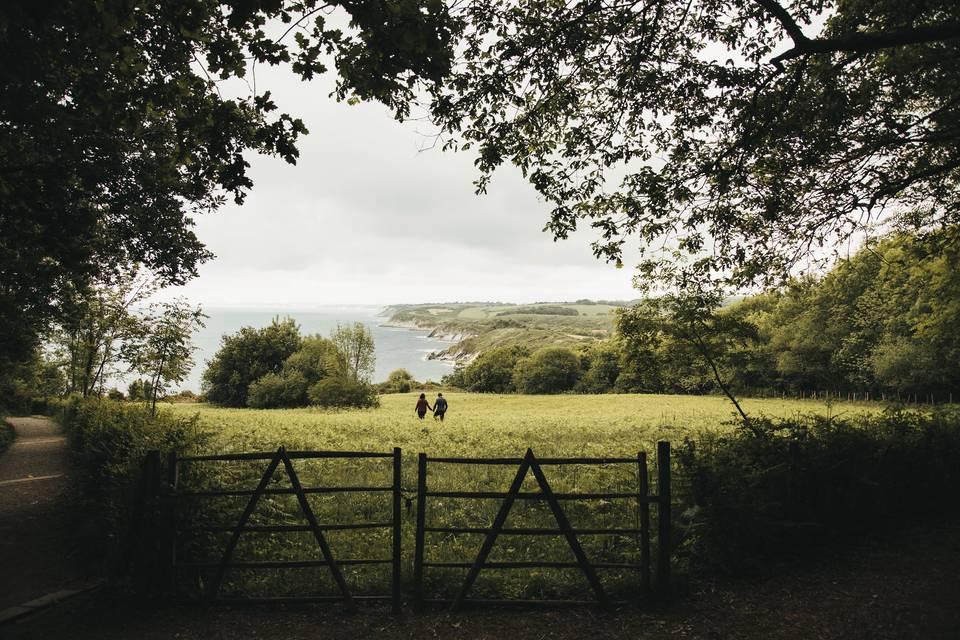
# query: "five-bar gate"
284,459
530,463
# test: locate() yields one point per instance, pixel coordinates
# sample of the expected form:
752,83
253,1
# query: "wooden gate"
530,463
332,563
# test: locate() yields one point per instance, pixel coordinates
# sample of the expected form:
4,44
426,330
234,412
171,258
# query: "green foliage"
118,134
276,390
398,381
140,389
355,351
317,358
754,501
339,392
545,310
694,127
7,434
601,367
109,441
492,371
549,370
246,356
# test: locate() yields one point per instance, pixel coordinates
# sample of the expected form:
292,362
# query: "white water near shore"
396,347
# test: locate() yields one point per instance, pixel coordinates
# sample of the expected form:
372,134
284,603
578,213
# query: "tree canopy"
732,138
116,134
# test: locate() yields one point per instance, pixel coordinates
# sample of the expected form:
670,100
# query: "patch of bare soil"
904,586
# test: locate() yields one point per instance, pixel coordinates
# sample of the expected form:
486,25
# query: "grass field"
476,425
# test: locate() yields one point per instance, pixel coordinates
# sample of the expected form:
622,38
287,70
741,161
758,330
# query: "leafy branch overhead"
728,137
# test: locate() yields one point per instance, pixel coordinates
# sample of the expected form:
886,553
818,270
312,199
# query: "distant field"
477,425
490,424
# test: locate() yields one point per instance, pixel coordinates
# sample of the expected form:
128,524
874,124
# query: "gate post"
421,521
145,544
663,519
396,529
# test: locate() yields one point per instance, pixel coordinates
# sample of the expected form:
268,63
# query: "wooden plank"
532,564
663,520
293,455
571,537
491,537
643,482
533,495
530,531
283,564
492,602
317,533
297,600
421,518
541,461
214,589
278,491
173,479
397,517
280,528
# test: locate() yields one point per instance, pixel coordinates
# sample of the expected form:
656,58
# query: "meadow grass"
476,425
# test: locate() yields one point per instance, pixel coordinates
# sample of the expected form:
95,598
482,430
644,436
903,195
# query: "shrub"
399,381
754,500
6,435
492,371
272,391
342,392
245,357
548,370
109,441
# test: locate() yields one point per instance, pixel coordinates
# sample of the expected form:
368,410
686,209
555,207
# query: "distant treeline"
885,322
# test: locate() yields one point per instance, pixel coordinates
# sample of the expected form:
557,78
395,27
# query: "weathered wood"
279,491
534,495
173,480
214,588
421,519
561,518
285,564
663,520
532,531
317,533
541,461
281,528
293,455
491,537
532,564
644,507
397,516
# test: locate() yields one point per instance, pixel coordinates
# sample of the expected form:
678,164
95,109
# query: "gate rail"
285,459
531,463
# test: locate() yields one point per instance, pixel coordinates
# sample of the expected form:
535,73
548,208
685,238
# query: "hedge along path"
36,519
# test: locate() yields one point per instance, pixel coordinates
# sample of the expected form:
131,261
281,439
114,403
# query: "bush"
6,435
273,391
399,381
755,500
109,441
246,356
343,392
548,370
492,371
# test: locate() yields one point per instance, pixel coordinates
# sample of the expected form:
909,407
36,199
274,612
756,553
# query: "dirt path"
36,518
899,586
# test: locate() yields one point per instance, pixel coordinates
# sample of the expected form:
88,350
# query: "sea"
396,347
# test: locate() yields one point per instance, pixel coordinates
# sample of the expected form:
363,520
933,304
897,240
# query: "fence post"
396,529
173,480
421,522
663,518
146,544
644,491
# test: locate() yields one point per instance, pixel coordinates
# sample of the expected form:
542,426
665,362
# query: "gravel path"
36,518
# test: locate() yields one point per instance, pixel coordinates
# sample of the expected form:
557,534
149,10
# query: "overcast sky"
366,217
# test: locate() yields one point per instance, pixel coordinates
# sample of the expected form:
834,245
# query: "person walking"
439,407
422,406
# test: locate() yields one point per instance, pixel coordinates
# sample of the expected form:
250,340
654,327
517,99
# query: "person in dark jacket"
422,406
439,407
